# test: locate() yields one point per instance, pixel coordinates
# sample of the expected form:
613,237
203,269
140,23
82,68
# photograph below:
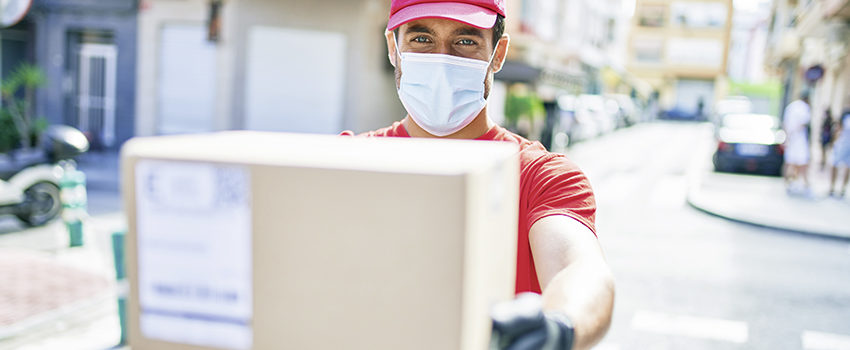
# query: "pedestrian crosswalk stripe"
607,346
691,326
825,341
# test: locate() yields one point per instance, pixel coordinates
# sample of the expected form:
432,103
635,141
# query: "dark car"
750,143
681,114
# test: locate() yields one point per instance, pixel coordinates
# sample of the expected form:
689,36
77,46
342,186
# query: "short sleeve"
556,186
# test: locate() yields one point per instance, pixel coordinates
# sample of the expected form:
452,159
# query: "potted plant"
20,131
523,111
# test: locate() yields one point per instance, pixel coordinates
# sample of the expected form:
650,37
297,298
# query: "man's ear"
391,49
501,53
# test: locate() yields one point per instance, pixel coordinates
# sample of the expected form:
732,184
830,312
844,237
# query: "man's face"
444,36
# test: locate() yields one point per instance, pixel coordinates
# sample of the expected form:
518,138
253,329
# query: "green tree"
17,112
522,104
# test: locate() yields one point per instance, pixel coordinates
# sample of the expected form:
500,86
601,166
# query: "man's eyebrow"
419,29
470,31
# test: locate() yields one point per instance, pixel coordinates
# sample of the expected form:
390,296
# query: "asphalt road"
687,280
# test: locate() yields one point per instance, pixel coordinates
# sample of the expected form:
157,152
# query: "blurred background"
673,108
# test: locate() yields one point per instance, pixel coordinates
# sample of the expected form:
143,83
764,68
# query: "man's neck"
479,126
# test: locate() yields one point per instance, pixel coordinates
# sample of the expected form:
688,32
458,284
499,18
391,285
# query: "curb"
704,208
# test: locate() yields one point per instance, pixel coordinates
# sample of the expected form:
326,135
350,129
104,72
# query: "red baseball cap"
477,13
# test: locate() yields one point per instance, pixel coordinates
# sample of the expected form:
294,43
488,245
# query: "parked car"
563,133
585,126
678,113
750,143
592,107
734,104
626,111
731,105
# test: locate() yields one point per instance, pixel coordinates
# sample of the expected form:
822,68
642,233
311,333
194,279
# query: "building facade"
87,49
275,65
566,45
809,49
748,44
680,47
321,66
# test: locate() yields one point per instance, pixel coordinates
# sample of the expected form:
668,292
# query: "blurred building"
87,49
566,45
749,41
321,66
746,68
681,47
809,48
278,65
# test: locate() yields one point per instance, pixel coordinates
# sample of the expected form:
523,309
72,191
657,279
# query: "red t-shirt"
549,183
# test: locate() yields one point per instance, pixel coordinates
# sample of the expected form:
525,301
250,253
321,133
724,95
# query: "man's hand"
521,324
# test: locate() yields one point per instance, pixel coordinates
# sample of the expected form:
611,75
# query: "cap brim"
473,15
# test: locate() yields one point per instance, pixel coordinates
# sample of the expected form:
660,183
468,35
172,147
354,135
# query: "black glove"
521,324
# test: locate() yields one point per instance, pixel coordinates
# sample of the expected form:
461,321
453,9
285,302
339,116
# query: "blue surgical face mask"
442,93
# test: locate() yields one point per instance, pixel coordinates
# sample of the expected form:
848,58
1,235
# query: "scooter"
29,179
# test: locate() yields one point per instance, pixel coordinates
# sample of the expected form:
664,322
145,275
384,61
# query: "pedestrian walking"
826,139
445,54
797,153
841,155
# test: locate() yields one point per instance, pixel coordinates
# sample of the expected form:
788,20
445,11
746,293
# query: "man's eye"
466,42
420,39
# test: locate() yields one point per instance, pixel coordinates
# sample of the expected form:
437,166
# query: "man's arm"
574,276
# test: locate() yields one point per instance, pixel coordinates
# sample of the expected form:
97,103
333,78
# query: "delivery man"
445,54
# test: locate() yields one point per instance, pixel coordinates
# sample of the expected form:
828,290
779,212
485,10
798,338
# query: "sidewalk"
102,181
762,201
53,296
102,170
57,297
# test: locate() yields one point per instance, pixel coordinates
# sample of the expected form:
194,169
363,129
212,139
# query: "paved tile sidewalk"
56,297
34,284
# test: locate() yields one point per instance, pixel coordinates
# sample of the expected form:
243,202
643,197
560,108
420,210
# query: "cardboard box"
250,240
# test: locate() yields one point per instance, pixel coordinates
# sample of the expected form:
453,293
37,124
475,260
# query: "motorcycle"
29,179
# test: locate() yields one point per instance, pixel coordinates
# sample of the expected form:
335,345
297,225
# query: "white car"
593,106
626,111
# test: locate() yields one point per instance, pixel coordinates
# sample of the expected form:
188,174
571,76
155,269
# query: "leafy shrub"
18,128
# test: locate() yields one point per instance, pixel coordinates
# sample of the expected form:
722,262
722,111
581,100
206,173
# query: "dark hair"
498,30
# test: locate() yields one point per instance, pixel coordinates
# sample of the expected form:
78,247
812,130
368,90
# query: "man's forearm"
574,276
584,291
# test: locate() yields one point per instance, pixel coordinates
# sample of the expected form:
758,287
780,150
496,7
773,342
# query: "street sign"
814,73
13,11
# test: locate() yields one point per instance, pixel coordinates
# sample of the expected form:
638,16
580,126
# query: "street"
688,280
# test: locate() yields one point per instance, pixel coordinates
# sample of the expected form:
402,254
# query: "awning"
518,72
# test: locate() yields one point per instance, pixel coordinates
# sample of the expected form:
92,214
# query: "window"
652,16
648,50
707,53
698,14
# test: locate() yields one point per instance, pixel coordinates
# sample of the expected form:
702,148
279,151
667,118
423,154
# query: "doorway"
91,86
